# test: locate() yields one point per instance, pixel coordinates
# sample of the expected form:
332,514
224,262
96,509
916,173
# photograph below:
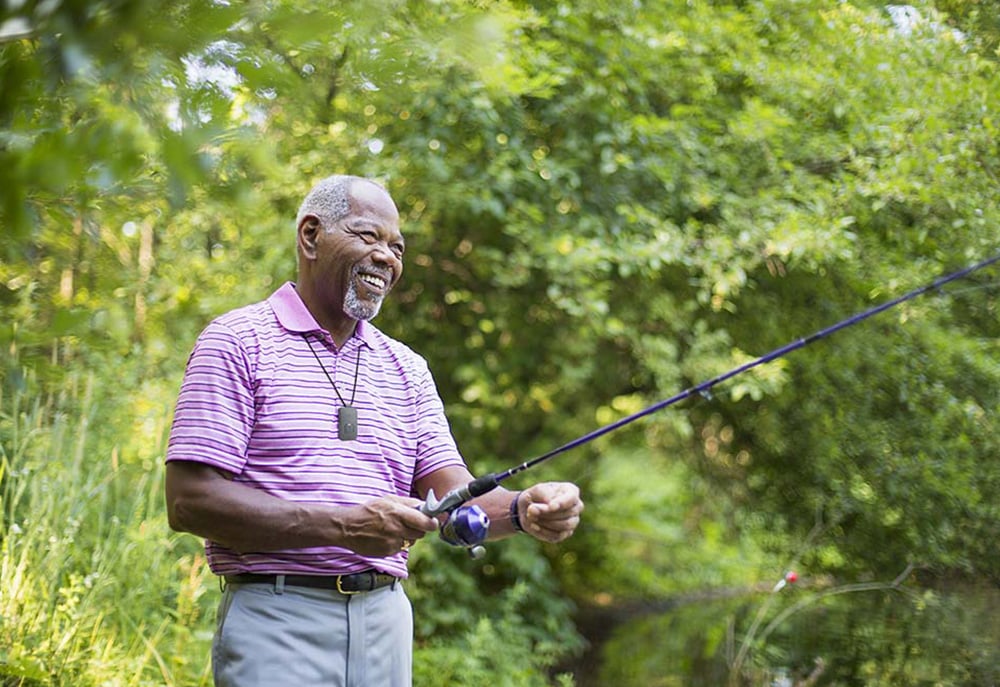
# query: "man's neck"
342,332
340,326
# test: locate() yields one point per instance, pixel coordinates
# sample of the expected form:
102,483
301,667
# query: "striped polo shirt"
256,403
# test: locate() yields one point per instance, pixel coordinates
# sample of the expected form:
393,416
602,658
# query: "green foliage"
605,203
492,652
890,468
95,591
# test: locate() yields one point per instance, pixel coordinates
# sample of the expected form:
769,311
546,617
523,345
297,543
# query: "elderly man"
301,440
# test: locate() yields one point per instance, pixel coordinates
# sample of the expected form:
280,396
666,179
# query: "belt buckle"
347,592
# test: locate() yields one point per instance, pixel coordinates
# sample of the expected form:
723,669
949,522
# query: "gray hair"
329,200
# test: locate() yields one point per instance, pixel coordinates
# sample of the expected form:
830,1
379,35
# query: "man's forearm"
203,502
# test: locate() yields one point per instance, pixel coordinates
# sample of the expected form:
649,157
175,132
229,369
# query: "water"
913,637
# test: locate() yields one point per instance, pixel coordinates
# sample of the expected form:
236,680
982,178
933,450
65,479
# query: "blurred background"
605,202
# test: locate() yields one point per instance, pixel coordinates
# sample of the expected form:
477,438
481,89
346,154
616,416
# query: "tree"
604,205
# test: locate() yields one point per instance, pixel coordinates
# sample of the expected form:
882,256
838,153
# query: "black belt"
355,583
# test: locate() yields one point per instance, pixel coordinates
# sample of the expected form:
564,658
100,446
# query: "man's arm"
549,511
204,501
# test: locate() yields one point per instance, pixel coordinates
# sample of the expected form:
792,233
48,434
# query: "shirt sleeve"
436,447
214,415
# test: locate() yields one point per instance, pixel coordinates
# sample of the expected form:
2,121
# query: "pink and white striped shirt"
256,403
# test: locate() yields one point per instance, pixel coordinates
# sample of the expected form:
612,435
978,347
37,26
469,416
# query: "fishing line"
469,529
987,286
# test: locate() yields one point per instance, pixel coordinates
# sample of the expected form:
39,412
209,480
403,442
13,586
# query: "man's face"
361,255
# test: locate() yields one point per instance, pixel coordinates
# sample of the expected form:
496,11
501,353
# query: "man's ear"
308,231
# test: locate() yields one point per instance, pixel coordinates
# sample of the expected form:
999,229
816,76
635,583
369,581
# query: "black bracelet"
515,517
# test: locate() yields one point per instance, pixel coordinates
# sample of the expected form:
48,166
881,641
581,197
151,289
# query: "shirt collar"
294,316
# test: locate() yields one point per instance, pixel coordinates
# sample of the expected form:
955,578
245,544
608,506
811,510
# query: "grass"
94,589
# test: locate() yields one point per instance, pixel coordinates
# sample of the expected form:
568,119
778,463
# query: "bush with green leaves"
605,203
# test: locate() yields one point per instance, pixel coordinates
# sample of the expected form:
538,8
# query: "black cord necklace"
347,414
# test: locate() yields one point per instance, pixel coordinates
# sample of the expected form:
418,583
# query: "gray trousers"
268,635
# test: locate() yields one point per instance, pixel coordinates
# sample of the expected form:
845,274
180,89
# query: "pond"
902,636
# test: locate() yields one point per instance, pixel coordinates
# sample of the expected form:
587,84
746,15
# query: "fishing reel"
467,525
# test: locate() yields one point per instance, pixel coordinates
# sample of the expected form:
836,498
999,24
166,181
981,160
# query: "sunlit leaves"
605,203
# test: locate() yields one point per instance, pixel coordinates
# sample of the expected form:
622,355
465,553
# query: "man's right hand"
384,526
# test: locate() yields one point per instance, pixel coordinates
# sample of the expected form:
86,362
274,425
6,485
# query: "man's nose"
384,254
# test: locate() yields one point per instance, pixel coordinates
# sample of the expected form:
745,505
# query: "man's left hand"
550,511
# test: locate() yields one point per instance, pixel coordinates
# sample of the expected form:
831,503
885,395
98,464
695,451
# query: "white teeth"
377,282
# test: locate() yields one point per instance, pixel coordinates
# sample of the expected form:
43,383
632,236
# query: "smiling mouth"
374,281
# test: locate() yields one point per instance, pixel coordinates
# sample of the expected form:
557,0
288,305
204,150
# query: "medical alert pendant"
347,423
347,414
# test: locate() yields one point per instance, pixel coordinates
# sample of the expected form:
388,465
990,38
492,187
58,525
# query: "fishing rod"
468,525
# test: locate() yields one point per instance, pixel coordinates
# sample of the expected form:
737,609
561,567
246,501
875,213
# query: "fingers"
558,499
413,523
552,510
550,532
385,526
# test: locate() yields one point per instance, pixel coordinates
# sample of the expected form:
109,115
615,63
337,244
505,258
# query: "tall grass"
94,589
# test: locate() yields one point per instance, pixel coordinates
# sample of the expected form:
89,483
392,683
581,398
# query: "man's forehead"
365,191
372,204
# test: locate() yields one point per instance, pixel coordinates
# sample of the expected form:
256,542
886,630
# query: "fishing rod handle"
459,495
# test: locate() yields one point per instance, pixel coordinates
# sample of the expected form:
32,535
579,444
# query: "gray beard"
355,308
